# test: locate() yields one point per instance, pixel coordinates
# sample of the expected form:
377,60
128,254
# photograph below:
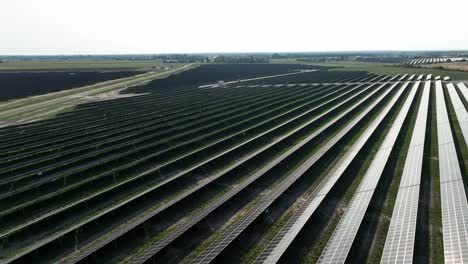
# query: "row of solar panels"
434,60
399,245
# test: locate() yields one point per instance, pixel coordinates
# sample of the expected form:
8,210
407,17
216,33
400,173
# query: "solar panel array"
93,241
434,60
399,244
93,245
453,200
231,232
278,151
343,236
284,238
182,227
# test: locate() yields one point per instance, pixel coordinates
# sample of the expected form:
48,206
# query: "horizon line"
233,52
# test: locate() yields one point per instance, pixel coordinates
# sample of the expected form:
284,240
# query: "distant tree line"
181,58
241,59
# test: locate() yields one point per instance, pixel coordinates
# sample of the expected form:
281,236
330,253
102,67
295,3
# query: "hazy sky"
173,26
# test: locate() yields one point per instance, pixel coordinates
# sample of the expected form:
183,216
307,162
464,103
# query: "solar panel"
394,77
464,90
343,237
338,247
399,243
453,200
460,110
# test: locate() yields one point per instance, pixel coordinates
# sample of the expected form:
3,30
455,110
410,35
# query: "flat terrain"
24,84
40,107
67,65
453,66
286,163
387,68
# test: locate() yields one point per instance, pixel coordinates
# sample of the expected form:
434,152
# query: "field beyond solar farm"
238,163
457,71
